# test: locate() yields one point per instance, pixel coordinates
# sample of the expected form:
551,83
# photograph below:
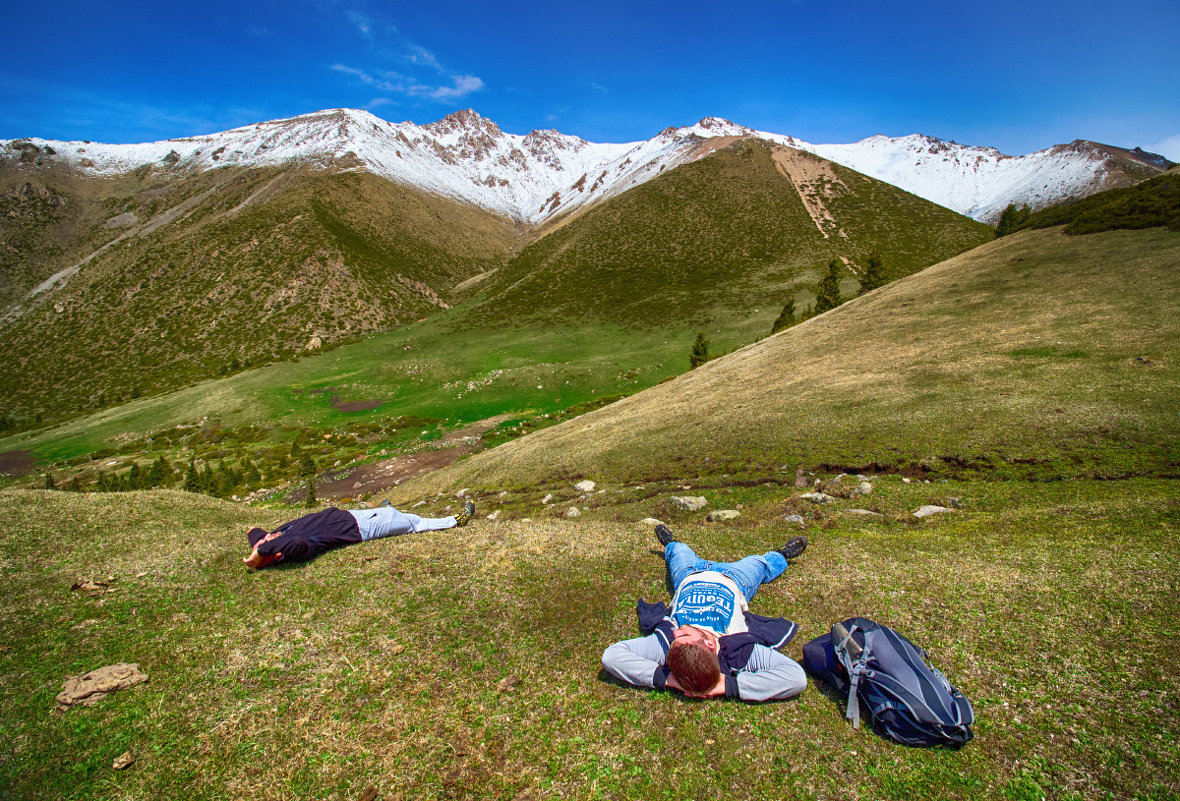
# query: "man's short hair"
694,665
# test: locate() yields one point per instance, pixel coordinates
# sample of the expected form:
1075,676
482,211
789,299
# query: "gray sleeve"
770,676
639,661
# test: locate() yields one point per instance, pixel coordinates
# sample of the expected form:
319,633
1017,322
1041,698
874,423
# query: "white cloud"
363,22
420,56
1168,148
461,85
599,87
378,102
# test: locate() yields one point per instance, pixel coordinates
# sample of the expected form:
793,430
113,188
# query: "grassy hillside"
1037,355
392,664
750,225
1153,203
249,267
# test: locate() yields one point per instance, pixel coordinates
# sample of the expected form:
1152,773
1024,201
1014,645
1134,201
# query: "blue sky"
1017,76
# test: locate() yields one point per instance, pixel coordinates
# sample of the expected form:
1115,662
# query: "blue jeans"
749,573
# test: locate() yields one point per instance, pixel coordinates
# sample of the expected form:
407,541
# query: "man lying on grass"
311,535
710,644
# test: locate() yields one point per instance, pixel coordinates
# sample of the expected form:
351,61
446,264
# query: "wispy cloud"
362,21
421,74
419,56
388,81
1168,148
599,87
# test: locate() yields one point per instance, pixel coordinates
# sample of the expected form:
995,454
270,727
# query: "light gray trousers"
385,521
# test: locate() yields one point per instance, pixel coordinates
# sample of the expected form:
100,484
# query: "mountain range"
136,269
544,175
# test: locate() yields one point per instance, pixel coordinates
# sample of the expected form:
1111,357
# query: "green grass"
1051,606
424,370
263,262
1038,355
717,237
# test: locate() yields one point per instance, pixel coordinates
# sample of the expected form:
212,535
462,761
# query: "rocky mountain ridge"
546,174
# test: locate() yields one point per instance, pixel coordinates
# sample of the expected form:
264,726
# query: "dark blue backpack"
908,699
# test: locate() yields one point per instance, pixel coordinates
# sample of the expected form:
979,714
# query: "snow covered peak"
543,174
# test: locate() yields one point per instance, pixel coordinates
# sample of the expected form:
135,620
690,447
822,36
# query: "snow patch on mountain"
543,174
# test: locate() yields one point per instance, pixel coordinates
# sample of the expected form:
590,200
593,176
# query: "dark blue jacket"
309,536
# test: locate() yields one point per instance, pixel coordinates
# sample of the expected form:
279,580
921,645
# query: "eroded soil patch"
17,463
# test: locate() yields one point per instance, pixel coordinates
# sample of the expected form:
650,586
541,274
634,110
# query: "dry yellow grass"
1037,348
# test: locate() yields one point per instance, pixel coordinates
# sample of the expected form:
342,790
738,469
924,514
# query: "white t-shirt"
710,600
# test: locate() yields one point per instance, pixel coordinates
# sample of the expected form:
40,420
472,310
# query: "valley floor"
466,663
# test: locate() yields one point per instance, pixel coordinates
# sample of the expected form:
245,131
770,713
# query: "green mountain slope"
750,225
1037,355
245,267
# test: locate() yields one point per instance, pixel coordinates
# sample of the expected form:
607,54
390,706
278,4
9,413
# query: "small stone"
573,511
547,498
123,761
722,514
494,515
585,486
926,511
817,497
801,478
462,492
864,512
508,683
689,503
905,480
794,519
504,493
864,488
651,521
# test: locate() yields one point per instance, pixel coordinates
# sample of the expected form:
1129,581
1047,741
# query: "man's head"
692,658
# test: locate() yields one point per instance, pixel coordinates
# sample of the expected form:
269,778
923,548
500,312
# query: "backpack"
908,699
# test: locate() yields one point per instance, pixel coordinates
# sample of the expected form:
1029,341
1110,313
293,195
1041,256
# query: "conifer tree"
192,480
1012,218
311,501
827,293
306,465
49,481
700,351
874,276
786,319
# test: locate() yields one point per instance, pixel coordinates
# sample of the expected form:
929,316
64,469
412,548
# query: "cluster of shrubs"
1153,203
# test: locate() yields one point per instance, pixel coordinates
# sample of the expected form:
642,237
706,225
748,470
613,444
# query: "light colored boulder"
651,521
573,511
926,511
864,512
585,486
817,497
722,514
689,503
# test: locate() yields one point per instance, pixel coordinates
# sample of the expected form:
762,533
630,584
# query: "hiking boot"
664,535
467,513
793,548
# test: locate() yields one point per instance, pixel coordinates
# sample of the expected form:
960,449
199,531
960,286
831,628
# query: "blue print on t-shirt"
706,604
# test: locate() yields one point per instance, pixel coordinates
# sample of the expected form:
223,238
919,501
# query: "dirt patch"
373,477
17,463
815,181
356,406
342,406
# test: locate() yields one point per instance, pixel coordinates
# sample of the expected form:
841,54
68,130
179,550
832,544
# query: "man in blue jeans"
709,644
